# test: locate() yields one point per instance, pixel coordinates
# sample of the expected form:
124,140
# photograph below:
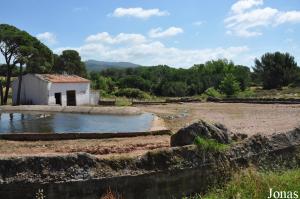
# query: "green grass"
123,101
251,184
209,144
285,92
246,94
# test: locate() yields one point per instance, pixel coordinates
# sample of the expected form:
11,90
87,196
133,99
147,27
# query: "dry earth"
243,118
103,147
238,117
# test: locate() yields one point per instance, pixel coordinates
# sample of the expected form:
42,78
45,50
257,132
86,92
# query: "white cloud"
152,52
159,32
105,37
246,20
288,17
47,37
242,5
139,12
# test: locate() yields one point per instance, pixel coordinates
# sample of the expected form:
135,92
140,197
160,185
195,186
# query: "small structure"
54,89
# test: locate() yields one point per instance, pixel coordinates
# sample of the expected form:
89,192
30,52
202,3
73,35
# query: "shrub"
246,94
209,144
123,101
211,92
229,86
132,93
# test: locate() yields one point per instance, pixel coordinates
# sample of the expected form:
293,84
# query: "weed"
252,184
40,194
209,144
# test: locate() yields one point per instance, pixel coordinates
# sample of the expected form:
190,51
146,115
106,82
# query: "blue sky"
150,32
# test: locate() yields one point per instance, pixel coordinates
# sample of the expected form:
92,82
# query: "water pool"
70,123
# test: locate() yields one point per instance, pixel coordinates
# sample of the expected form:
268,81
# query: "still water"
69,122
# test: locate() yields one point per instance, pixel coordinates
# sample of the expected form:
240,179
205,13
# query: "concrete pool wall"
74,109
73,136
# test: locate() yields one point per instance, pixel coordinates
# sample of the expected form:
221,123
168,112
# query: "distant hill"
93,65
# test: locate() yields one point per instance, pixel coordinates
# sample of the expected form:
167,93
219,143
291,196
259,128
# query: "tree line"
271,71
163,80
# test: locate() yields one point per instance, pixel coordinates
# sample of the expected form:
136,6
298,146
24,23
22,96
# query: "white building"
50,89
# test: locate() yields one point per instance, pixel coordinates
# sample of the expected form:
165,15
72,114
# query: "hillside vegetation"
275,73
93,65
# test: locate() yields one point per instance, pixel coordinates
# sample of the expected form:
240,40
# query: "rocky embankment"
165,173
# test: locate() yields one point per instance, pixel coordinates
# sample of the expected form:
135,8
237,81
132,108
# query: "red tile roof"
57,78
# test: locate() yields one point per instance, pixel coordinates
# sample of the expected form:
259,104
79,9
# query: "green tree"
133,81
229,85
243,75
10,43
69,62
132,93
275,70
160,80
174,89
21,49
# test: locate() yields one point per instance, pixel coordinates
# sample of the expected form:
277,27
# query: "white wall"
33,90
94,97
82,92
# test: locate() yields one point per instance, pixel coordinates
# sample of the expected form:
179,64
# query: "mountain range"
94,65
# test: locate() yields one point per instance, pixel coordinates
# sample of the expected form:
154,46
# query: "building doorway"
71,98
57,98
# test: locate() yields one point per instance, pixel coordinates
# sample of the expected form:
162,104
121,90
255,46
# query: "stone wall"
166,173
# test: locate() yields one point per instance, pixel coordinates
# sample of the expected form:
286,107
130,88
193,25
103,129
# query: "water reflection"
63,122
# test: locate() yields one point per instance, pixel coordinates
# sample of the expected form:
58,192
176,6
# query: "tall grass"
123,101
251,184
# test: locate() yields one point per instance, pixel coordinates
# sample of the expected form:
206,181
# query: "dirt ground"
243,118
103,148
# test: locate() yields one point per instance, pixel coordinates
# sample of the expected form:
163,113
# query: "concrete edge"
73,136
74,109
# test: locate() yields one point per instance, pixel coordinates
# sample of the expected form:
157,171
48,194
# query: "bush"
211,92
246,94
209,144
123,101
132,93
229,86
